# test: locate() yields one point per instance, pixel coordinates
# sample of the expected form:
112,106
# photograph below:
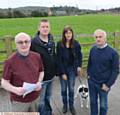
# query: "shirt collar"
101,47
22,56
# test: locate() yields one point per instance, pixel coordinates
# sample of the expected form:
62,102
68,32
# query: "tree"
38,14
35,13
18,14
9,13
2,15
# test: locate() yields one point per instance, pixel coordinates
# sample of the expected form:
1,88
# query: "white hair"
101,31
21,34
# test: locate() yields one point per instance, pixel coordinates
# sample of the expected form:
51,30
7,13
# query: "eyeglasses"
22,42
98,36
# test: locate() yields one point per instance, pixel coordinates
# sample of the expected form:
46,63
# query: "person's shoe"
64,110
72,110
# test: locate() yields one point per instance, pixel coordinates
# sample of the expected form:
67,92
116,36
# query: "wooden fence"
7,46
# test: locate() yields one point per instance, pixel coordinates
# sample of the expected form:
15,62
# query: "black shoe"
64,110
72,110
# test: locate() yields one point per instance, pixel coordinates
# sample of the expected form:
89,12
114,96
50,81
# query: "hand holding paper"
29,87
38,86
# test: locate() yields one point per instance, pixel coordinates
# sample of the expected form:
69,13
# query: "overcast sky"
82,4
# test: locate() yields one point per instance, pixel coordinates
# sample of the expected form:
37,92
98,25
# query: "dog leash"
80,80
43,82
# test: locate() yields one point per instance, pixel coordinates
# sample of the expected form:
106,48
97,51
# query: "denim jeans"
68,84
45,95
95,91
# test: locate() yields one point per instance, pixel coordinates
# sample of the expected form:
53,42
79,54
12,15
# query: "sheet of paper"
29,87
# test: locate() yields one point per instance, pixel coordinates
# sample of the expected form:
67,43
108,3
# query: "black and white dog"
83,93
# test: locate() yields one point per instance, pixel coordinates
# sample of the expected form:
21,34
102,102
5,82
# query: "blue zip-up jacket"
63,58
103,65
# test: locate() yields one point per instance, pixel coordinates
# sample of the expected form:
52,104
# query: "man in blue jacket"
103,69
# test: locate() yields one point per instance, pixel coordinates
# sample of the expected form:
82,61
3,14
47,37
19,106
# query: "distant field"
81,24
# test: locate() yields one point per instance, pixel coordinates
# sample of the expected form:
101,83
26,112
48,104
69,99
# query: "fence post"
116,38
8,45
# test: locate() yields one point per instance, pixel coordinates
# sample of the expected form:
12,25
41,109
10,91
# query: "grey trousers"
25,107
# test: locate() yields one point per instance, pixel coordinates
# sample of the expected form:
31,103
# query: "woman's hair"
65,30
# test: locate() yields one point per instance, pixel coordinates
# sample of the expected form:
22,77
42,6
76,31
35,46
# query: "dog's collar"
85,97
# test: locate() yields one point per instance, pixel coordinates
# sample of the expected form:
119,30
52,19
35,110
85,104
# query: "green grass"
81,24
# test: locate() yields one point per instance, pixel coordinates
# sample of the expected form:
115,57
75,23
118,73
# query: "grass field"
81,24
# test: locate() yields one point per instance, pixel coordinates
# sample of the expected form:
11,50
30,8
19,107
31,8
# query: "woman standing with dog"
69,61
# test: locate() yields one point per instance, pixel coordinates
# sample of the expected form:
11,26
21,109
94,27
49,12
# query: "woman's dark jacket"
63,57
47,52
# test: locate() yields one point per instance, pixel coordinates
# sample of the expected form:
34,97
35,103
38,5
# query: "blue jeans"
70,84
45,95
95,91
